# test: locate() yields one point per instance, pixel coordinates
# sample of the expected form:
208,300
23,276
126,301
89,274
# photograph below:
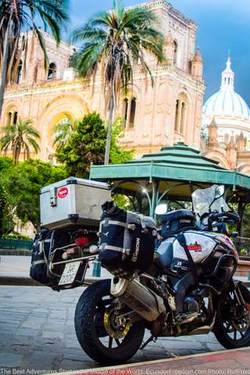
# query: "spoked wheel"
232,328
102,333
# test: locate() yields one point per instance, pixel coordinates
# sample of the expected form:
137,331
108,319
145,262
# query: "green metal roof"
180,155
179,163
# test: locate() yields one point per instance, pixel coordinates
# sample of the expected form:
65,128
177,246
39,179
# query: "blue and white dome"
226,102
228,110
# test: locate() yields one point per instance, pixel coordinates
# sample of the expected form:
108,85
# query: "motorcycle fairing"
200,248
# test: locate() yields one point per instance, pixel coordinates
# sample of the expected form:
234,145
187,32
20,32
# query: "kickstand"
151,338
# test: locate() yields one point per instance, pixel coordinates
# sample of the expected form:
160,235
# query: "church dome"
226,102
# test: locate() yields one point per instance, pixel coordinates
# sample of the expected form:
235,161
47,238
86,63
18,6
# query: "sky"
223,25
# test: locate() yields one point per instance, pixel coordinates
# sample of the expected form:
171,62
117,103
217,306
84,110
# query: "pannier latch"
53,197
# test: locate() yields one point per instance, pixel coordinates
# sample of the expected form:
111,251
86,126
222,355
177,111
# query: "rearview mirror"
161,209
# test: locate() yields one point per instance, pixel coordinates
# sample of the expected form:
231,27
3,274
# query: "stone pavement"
37,333
230,362
14,265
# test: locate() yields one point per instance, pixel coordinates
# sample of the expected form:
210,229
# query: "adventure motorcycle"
112,315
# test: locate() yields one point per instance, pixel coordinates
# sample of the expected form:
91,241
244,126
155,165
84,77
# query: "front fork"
240,296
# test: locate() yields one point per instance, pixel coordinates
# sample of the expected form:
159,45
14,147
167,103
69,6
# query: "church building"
226,126
154,116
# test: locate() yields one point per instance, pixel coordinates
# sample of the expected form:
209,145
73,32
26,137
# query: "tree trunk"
5,64
110,124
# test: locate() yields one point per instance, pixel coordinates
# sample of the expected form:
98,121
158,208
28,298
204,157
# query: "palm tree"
62,133
18,16
116,41
20,137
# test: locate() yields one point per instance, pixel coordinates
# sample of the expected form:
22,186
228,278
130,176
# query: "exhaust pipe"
138,297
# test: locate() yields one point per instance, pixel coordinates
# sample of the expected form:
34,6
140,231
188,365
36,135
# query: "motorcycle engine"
191,305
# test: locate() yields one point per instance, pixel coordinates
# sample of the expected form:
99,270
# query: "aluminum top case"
73,201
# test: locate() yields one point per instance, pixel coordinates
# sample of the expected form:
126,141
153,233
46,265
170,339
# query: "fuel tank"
201,245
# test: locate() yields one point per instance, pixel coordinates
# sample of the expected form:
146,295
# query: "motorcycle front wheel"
232,327
97,330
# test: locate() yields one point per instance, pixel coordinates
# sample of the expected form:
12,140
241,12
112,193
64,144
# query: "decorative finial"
227,77
229,63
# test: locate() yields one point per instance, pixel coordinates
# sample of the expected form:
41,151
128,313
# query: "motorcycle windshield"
204,201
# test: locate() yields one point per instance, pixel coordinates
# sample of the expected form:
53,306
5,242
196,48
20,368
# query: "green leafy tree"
2,209
115,41
6,219
23,183
5,165
18,16
86,145
20,137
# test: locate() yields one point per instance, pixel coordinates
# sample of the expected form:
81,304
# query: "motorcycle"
112,316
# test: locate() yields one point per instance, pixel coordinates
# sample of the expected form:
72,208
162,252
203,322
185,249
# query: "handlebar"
220,219
226,217
222,216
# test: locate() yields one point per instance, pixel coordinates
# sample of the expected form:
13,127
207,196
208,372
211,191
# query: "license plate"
69,273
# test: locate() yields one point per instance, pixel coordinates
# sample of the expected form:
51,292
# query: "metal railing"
243,246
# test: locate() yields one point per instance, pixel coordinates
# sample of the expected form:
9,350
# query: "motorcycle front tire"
232,333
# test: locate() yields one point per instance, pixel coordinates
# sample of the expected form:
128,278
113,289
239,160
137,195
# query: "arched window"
9,118
19,72
12,117
183,117
52,72
15,118
180,115
132,113
176,116
125,110
175,52
129,112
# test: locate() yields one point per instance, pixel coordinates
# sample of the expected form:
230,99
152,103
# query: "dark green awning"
179,162
173,169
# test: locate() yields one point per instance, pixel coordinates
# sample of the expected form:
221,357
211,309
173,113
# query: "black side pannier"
40,256
127,240
47,264
174,222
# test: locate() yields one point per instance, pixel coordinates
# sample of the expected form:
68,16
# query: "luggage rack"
56,263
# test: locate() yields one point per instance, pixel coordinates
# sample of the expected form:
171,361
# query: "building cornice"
60,85
159,4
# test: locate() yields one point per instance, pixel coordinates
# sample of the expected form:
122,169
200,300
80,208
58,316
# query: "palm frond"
19,138
24,15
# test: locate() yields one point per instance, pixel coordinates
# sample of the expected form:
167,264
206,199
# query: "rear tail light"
83,241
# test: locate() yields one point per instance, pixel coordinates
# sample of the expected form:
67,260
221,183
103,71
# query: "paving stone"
53,335
10,360
214,347
68,364
77,355
39,334
27,331
42,360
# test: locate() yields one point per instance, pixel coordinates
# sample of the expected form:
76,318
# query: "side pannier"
127,240
40,257
54,250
